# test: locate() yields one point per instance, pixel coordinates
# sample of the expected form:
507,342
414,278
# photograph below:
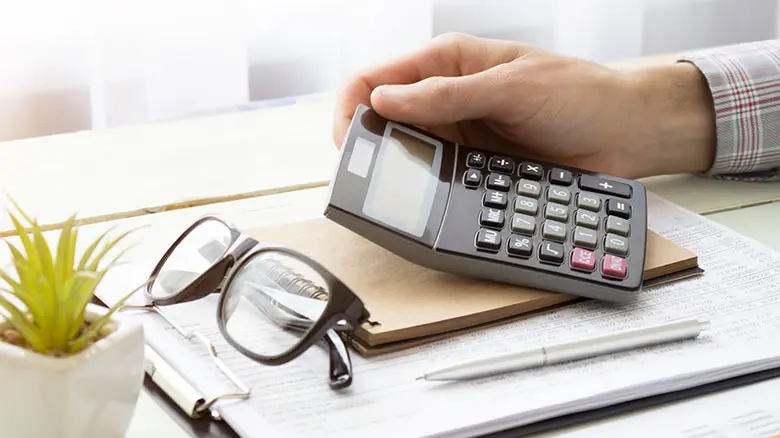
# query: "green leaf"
19,292
80,293
23,325
94,265
26,242
44,254
64,256
28,283
94,327
88,252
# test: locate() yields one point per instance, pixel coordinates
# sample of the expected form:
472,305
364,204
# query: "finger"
448,55
443,100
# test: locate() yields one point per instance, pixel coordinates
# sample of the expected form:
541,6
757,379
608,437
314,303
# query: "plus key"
601,185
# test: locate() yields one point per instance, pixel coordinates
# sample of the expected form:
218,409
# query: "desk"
254,167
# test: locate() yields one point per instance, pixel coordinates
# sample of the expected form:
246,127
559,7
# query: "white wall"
77,64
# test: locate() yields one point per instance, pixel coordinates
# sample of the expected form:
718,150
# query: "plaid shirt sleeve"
745,83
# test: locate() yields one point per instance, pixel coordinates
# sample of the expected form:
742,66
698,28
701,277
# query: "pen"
568,351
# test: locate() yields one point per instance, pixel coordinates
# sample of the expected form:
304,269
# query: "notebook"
411,305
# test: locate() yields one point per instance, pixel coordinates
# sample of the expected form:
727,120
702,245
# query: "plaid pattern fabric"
745,83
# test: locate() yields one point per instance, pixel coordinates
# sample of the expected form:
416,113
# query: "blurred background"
69,65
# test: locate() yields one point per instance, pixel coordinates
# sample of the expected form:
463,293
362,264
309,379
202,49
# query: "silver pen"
568,351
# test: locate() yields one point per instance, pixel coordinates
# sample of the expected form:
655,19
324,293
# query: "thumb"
440,100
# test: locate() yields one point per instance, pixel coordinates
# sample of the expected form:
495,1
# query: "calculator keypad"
558,217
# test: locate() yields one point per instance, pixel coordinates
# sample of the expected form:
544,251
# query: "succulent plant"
49,289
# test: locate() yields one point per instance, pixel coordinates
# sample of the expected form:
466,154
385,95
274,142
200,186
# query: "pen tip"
421,377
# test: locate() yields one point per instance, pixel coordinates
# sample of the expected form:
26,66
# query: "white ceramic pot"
91,394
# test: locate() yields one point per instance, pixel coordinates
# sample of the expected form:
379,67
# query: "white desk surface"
253,167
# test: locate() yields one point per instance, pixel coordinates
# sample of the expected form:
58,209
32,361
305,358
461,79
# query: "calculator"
464,210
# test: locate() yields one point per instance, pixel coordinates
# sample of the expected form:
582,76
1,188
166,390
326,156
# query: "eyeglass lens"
203,246
272,302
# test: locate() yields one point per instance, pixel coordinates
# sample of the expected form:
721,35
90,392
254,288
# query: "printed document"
750,411
739,294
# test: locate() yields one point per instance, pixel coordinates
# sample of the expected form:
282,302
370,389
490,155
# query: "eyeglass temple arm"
340,363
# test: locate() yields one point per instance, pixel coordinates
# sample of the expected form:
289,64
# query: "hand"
518,99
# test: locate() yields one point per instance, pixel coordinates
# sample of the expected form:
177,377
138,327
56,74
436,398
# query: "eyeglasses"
274,302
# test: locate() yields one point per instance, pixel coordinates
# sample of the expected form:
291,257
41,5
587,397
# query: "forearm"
677,118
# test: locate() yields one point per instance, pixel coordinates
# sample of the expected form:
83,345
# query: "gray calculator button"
557,212
524,204
618,226
528,188
616,244
559,195
585,237
587,219
554,230
523,224
589,202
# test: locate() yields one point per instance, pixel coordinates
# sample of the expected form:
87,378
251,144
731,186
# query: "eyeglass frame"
343,312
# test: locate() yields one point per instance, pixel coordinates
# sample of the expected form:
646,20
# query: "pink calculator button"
614,266
583,259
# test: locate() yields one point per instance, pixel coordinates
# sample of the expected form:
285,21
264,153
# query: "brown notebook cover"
411,304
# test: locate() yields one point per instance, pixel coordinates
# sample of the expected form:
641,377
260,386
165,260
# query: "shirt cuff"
744,80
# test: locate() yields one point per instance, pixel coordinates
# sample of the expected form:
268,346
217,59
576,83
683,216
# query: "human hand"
518,99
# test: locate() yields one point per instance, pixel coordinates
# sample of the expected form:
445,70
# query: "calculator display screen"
404,180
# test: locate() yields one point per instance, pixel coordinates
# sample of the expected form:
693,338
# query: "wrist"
677,119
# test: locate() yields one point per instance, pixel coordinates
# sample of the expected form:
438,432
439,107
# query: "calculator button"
497,181
520,246
472,178
559,195
560,177
551,252
491,217
588,201
501,164
554,230
523,224
613,266
616,244
531,171
583,259
618,226
524,204
585,237
475,159
618,208
586,219
528,188
557,212
493,198
601,185
488,239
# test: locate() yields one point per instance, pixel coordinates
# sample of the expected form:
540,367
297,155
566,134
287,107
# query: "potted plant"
68,368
